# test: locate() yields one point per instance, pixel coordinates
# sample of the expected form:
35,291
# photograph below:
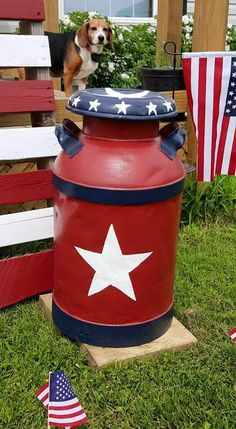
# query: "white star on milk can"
118,185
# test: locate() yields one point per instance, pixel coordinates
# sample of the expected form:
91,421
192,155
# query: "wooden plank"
169,27
176,338
46,118
24,9
23,119
28,143
14,119
27,226
51,23
10,73
31,186
26,96
25,276
210,25
24,51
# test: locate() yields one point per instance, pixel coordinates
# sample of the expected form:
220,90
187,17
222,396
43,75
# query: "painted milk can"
119,186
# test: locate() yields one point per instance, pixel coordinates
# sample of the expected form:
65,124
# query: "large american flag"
64,409
210,79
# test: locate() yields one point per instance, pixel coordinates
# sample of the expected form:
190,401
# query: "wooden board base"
177,337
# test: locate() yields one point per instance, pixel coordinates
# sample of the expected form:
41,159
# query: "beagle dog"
77,54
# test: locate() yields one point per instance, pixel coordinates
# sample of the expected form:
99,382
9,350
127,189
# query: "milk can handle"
172,139
68,137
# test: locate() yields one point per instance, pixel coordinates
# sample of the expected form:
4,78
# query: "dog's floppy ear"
110,39
82,35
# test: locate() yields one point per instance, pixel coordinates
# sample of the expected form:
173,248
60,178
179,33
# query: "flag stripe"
226,64
210,69
233,336
43,396
46,402
60,411
62,425
195,86
232,332
229,140
216,110
57,420
42,390
221,148
69,417
187,78
232,162
201,116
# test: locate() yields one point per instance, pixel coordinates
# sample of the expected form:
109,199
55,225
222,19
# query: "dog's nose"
101,38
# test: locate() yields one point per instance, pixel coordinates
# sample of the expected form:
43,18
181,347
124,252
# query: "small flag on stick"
64,408
232,334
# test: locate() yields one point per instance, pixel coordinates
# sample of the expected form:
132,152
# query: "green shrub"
209,202
187,34
135,47
231,38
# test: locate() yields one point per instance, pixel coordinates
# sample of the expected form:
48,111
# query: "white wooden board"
24,51
27,226
28,143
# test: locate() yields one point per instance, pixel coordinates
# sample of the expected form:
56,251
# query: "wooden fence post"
51,23
210,25
209,34
169,24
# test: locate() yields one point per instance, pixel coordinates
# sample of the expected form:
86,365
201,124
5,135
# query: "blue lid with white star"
128,104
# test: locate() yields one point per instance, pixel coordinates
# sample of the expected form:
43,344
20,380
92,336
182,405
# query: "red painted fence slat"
27,96
19,187
25,276
22,9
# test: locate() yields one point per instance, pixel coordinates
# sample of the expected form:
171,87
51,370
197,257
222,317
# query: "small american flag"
210,79
232,334
64,408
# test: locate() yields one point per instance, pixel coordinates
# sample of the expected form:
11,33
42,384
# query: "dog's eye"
105,29
93,28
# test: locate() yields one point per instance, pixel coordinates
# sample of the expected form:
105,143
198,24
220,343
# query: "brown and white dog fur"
71,52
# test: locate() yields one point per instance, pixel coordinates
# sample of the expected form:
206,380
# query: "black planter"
162,79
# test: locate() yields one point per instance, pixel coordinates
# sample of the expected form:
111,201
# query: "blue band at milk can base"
108,335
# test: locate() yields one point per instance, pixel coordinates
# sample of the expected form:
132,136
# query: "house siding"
8,26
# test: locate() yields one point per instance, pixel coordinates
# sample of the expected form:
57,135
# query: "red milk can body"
116,215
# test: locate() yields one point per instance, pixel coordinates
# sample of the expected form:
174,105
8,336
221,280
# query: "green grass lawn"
182,389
